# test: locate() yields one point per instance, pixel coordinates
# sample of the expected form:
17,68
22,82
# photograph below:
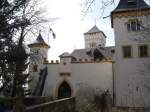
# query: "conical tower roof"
40,38
126,5
39,42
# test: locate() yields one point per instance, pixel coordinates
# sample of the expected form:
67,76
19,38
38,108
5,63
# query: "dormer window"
131,2
133,25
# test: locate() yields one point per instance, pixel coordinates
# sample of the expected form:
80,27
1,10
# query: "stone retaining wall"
62,105
129,109
34,100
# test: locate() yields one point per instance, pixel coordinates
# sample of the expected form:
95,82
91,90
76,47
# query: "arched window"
64,90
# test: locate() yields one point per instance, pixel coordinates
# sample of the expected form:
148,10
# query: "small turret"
39,50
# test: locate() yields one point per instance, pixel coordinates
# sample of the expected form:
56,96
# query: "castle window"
64,63
80,60
73,59
45,60
138,26
36,51
133,25
92,45
131,2
112,51
143,51
85,60
35,68
127,52
128,27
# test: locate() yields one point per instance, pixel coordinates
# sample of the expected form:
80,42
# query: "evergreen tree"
16,18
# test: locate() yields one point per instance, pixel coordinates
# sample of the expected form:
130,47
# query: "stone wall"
34,100
129,109
28,101
62,105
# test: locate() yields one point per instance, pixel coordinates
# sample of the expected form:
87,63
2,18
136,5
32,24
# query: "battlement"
52,62
80,61
91,61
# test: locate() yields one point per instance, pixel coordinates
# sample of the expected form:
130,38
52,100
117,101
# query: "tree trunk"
18,105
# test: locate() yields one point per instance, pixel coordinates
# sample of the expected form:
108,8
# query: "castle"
122,70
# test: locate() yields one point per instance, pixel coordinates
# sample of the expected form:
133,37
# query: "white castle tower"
39,52
94,38
131,79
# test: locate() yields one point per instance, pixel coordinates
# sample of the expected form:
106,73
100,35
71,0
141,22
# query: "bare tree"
17,19
90,99
88,5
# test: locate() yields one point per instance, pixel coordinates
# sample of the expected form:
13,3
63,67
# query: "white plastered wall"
95,75
130,79
38,55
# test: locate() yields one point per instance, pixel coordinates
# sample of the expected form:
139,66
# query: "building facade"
89,68
122,70
131,53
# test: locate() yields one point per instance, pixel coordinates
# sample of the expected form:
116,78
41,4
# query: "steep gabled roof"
124,5
93,30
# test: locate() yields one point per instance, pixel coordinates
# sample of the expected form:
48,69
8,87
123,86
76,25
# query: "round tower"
94,37
39,53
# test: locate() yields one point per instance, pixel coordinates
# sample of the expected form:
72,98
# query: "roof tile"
93,30
125,6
